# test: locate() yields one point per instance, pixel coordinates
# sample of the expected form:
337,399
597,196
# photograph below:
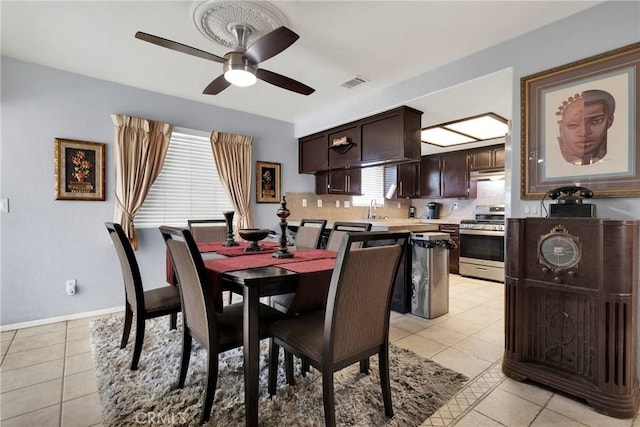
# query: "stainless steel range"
482,244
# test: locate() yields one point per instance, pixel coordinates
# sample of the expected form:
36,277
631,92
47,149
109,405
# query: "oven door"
482,246
482,254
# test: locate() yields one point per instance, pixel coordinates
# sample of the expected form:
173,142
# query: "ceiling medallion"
214,19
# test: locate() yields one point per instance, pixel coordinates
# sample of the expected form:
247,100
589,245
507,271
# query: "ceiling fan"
241,66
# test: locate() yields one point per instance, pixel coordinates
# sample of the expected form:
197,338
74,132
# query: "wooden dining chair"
149,304
355,323
217,332
339,229
209,230
308,236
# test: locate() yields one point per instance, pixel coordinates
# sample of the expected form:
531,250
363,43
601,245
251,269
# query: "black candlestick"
228,217
283,213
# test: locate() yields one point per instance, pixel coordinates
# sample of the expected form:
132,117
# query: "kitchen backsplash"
489,193
331,211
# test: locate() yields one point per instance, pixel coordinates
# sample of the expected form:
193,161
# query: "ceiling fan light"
240,77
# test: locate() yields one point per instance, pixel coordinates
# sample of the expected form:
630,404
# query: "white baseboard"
74,316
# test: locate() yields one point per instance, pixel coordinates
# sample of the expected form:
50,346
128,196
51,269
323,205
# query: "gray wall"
44,241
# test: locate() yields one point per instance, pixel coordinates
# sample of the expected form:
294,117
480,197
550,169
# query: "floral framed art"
580,125
267,182
79,170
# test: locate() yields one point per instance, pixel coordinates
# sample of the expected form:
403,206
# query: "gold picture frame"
580,125
267,182
79,170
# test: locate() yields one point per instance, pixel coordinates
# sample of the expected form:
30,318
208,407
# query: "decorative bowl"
253,235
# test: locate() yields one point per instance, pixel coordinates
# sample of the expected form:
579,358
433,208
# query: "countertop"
395,224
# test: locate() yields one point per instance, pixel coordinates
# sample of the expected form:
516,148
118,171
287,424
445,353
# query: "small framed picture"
79,170
267,182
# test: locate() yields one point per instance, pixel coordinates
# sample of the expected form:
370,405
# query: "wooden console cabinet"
570,308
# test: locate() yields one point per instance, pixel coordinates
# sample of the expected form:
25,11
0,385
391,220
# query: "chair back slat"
208,230
198,301
308,237
359,300
128,264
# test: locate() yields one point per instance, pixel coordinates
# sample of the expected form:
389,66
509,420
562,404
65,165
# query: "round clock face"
559,251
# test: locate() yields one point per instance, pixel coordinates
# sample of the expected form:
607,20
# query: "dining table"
259,274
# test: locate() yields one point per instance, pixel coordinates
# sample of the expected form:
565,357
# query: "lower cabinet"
454,254
344,181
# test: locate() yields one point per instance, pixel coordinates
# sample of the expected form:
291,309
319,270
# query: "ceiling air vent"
353,82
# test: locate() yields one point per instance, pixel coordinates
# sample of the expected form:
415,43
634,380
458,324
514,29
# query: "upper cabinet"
406,176
313,155
391,137
487,158
346,155
430,179
446,176
454,174
386,138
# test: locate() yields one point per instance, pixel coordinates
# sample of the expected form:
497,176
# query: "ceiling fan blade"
270,45
216,86
283,82
170,44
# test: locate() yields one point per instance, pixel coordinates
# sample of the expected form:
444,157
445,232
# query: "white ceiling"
385,42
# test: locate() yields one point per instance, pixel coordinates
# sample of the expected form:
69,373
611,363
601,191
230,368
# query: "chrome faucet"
372,209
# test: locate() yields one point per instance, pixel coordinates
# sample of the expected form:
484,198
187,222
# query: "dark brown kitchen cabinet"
391,137
343,181
313,155
454,254
430,176
487,158
339,157
455,174
406,176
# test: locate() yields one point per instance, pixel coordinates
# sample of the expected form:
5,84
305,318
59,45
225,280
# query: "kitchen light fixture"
472,129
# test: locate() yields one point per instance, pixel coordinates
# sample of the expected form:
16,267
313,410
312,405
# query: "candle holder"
283,213
228,217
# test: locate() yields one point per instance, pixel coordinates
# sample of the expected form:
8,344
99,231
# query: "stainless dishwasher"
430,273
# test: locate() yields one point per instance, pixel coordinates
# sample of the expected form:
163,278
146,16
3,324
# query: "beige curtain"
232,154
141,146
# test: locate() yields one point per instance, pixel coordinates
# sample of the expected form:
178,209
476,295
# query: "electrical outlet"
304,203
347,204
319,203
455,206
4,205
399,205
71,287
337,203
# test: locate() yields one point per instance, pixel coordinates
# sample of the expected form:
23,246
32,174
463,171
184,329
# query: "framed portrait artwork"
79,170
267,182
580,125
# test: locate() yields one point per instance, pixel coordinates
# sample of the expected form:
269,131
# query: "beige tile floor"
47,374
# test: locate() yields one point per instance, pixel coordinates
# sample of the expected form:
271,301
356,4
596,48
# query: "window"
188,186
372,187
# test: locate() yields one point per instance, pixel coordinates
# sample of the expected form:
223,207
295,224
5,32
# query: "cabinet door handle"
348,183
401,192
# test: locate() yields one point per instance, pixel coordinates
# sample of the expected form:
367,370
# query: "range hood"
486,175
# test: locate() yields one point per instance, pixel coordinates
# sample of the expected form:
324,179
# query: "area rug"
149,395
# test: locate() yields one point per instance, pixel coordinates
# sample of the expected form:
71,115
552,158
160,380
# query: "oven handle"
482,232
